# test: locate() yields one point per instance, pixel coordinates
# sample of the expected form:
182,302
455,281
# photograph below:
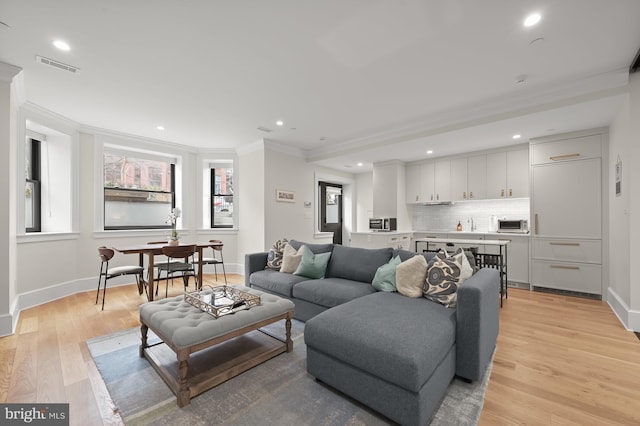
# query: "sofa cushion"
275,282
312,265
383,330
274,257
406,254
385,278
316,248
410,276
357,264
291,258
330,292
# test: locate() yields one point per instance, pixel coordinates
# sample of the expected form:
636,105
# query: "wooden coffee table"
199,351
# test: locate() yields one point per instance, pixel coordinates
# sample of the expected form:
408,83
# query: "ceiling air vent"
264,129
56,64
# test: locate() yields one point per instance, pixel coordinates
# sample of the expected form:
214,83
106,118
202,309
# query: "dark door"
331,210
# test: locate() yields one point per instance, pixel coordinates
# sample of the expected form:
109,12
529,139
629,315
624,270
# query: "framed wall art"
285,196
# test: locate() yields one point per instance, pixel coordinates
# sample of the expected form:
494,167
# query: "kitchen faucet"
473,226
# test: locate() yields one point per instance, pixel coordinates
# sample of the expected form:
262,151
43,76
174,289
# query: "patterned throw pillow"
274,258
443,278
291,259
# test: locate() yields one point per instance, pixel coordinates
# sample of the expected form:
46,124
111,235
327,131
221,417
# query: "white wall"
251,183
624,210
364,201
294,220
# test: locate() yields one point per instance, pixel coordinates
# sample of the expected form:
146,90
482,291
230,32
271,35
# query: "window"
139,192
222,194
32,191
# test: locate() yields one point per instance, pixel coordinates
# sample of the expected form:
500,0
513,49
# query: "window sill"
37,237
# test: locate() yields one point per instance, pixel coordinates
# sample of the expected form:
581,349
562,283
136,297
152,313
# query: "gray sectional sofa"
393,353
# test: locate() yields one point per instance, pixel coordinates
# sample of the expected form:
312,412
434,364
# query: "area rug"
277,392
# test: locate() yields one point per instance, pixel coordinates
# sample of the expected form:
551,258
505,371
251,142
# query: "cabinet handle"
573,268
417,198
510,192
437,197
470,194
558,243
431,197
464,195
502,192
535,224
563,157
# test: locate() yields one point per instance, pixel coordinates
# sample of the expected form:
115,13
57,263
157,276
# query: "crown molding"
285,149
252,147
535,100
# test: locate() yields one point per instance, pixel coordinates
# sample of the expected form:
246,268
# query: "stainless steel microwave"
383,224
519,226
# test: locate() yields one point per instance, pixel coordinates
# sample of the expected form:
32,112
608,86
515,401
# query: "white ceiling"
353,80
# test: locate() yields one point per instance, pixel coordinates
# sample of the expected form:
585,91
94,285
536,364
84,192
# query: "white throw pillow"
410,276
291,259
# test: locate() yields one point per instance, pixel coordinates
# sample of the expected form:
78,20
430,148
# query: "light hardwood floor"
559,360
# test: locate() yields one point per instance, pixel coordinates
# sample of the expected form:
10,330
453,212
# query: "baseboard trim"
9,322
629,318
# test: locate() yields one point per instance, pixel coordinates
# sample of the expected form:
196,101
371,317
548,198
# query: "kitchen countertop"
494,235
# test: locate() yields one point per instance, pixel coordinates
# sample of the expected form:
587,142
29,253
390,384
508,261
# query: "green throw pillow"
385,278
313,265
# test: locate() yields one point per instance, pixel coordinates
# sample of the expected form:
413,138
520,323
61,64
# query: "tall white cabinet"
567,211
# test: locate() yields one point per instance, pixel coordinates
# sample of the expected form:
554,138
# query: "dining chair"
217,259
106,254
179,261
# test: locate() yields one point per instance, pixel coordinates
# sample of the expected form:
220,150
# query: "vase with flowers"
173,219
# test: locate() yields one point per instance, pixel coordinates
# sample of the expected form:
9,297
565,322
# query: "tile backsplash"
446,217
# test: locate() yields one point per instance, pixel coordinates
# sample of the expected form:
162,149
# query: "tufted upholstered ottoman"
225,346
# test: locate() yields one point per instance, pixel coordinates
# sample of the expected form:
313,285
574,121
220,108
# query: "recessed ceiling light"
532,19
62,45
516,136
429,152
160,128
279,123
360,164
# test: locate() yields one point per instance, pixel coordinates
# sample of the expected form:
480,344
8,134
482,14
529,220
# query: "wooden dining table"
152,250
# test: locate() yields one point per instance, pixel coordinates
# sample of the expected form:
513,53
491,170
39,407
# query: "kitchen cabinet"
517,257
373,240
508,174
477,177
413,184
459,168
566,205
435,182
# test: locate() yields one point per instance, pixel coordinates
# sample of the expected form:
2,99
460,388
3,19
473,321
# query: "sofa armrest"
253,262
477,322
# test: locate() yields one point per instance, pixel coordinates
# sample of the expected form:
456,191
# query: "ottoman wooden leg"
143,344
184,393
288,340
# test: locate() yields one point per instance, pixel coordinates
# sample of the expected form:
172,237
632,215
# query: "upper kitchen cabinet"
459,171
508,174
435,180
477,177
413,185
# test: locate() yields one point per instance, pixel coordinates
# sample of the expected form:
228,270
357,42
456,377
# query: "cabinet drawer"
567,250
579,277
565,150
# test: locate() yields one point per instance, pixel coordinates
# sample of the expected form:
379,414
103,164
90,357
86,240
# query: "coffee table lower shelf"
191,371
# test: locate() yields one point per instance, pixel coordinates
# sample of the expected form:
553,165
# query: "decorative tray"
223,300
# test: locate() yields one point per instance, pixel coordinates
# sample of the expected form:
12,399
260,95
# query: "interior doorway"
331,210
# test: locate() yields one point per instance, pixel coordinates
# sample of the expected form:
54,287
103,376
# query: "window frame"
212,196
35,180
